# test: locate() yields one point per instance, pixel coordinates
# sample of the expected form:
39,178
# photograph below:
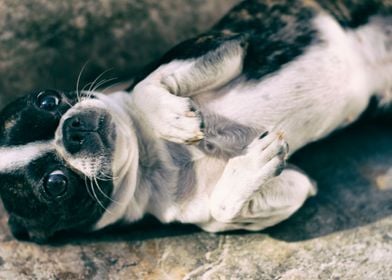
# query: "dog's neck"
157,174
145,179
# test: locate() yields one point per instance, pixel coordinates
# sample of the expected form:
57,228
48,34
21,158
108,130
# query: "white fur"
170,115
274,202
374,44
320,91
326,88
193,76
17,157
243,177
83,163
172,119
125,165
196,208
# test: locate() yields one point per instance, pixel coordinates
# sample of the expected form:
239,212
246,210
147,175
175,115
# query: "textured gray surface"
45,43
343,233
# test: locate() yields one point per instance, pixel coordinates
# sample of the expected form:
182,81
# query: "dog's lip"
104,124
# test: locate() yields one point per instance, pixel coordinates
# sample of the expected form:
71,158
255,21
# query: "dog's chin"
126,150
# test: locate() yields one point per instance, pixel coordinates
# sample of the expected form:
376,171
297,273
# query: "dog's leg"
162,99
255,191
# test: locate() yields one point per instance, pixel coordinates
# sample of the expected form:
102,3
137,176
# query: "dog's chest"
194,208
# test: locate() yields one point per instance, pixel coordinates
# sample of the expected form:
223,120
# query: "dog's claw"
191,114
199,136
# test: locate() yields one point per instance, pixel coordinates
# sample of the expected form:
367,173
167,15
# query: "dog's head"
57,160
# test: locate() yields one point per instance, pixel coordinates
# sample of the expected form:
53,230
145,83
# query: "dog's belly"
306,101
302,117
323,90
326,88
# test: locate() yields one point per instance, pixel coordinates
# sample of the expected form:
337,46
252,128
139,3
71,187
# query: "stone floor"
343,233
46,43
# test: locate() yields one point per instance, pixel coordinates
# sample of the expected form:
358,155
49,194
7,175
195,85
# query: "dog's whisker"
78,80
101,83
106,89
107,177
96,197
67,102
87,188
89,92
102,175
104,179
97,78
104,194
85,86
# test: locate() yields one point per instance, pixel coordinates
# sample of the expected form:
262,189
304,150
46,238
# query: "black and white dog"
203,135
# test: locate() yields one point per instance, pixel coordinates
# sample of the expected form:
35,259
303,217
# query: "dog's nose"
78,130
75,122
73,136
88,121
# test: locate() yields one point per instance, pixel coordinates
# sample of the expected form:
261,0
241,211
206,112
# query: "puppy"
203,134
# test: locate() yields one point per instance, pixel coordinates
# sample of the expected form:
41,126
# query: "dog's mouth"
86,139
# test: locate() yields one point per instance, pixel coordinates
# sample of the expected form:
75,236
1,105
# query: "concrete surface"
45,43
343,233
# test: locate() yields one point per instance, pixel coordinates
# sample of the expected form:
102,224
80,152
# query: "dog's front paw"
247,174
178,120
268,154
171,117
264,159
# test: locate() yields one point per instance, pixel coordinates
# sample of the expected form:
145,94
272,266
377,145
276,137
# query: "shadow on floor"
353,169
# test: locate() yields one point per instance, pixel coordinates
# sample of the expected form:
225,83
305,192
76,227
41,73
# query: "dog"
203,134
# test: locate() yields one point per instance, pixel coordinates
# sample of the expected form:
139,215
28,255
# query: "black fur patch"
276,33
34,215
354,13
273,33
23,122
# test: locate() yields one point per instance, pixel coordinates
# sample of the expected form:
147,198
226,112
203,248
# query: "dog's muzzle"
87,131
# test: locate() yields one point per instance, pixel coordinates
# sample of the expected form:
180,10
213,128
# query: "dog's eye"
48,100
56,184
